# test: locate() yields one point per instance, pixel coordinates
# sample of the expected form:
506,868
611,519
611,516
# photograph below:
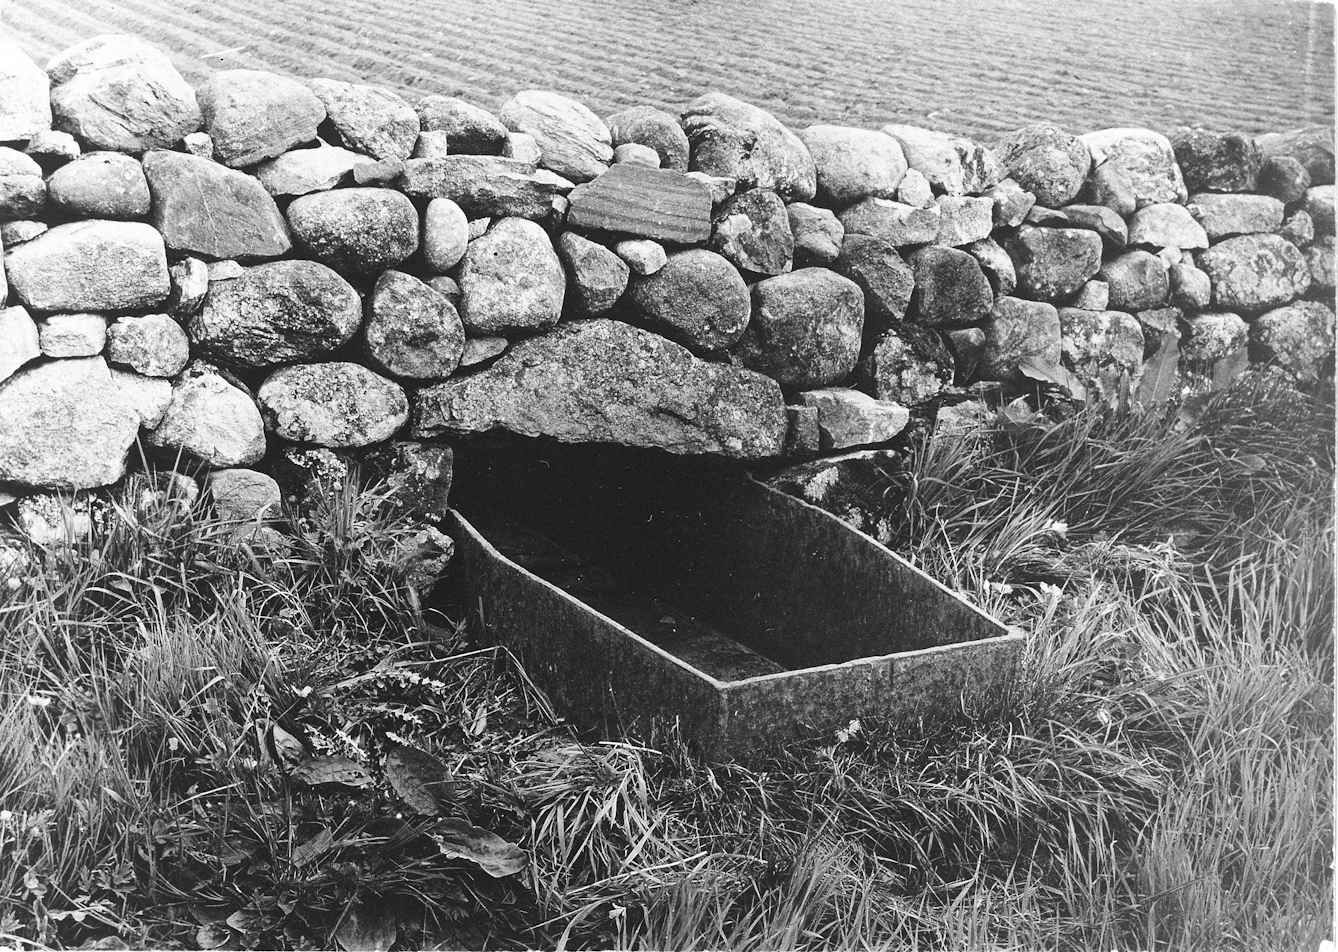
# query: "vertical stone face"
200,207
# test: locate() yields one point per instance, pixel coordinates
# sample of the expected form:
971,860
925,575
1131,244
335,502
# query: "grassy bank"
208,742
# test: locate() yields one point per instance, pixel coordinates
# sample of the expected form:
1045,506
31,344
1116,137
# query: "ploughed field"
976,67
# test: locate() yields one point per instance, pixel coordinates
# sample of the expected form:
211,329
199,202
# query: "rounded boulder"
336,404
806,328
697,299
356,231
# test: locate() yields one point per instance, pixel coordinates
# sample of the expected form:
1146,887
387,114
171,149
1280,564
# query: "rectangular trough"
636,589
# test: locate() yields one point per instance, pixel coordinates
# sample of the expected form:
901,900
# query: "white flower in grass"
37,700
1051,593
1057,527
999,588
852,729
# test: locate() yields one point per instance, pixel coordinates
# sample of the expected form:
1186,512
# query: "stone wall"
267,274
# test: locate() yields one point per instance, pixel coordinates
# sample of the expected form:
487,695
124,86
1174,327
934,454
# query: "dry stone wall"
268,275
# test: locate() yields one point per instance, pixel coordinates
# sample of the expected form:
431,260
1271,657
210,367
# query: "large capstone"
210,420
737,140
357,231
25,95
1052,263
65,424
1217,161
116,92
370,119
853,164
90,266
511,279
203,208
276,313
573,141
1046,161
337,404
1145,157
697,299
412,331
253,115
606,381
806,328
1255,273
953,165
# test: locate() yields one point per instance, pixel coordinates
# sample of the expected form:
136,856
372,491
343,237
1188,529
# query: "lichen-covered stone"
752,230
853,164
1110,185
806,328
909,365
418,475
654,128
1284,178
1101,345
277,313
1166,225
511,279
573,141
210,420
252,115
734,139
1298,337
697,299
64,424
358,231
1211,336
1255,273
1098,218
90,266
1191,288
243,495
1011,203
1046,161
335,404
412,331
1228,215
879,271
152,345
1217,161
1093,296
964,219
996,265
369,119
950,288
1320,259
1136,281
1146,157
202,208
1018,329
118,93
1052,263
1298,228
606,381
916,190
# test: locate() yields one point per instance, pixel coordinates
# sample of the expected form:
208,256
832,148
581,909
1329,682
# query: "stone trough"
640,591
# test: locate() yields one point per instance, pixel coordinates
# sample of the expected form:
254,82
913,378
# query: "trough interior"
679,550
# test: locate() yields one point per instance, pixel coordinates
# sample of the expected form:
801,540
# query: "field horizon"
980,68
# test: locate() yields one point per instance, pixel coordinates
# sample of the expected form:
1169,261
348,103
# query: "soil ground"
977,67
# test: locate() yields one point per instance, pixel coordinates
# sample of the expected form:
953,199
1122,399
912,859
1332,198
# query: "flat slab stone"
91,266
603,381
634,199
203,208
486,185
